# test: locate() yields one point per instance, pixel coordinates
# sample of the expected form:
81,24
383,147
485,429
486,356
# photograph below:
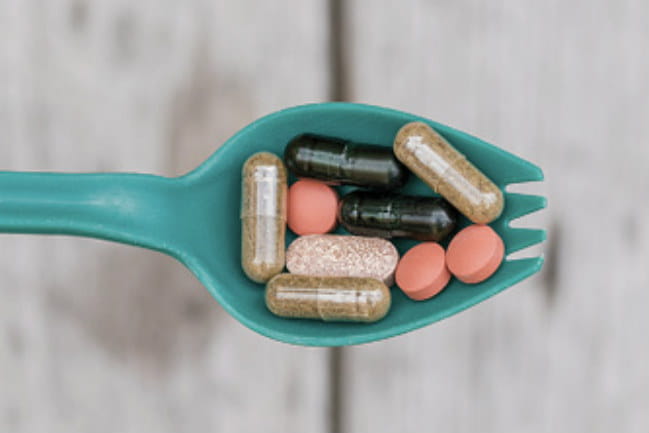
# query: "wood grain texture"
101,337
563,84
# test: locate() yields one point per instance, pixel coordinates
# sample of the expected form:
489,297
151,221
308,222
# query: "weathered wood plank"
101,337
563,84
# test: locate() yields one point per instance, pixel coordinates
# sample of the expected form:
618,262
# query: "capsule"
263,216
346,299
339,161
448,172
394,215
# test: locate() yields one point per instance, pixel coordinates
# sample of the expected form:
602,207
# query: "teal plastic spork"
195,218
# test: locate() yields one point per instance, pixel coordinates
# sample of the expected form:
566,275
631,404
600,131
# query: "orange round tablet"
475,253
312,207
421,272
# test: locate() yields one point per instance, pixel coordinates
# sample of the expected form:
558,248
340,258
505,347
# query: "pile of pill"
347,277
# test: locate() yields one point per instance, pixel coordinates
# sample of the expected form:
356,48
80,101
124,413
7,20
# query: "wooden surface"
96,337
563,84
102,337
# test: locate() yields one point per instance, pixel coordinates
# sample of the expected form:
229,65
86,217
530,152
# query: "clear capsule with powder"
346,299
435,161
263,216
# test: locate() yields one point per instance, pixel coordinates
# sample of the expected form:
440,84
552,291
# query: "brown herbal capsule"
347,299
263,216
448,172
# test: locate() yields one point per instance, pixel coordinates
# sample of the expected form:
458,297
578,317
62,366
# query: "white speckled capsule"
343,256
345,299
263,216
435,161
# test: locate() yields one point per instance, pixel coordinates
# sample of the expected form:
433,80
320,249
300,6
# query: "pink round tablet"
421,272
475,253
312,207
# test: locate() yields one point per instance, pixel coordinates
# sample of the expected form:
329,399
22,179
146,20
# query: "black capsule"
340,161
390,215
